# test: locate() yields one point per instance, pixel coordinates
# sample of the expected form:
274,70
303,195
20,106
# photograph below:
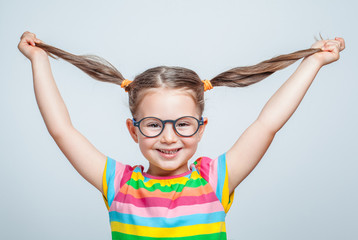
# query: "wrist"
39,56
313,61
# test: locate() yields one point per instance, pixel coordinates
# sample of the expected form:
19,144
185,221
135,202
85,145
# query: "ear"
132,130
202,127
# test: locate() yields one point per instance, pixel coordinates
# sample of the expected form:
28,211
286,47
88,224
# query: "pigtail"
175,77
95,66
245,76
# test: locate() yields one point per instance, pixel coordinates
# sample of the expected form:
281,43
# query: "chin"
169,169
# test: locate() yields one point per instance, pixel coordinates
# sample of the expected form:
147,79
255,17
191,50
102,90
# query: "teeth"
168,152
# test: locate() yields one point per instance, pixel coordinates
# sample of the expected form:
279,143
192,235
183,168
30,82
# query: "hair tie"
207,85
125,83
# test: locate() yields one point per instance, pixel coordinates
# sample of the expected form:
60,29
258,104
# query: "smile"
169,153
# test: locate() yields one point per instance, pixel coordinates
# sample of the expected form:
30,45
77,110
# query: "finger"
341,40
24,34
318,44
28,34
38,41
328,45
336,42
30,41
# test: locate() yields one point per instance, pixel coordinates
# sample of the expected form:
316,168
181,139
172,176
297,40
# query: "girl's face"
168,154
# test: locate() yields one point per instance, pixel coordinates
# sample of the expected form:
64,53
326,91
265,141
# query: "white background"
305,186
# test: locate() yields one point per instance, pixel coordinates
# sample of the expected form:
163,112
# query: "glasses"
152,127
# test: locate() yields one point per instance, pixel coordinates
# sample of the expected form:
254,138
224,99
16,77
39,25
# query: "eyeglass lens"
185,126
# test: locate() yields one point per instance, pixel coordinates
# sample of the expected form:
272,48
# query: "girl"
171,200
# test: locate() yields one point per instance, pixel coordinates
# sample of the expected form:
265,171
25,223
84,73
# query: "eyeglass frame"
200,123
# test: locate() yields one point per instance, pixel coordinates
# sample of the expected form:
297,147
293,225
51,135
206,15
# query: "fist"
27,45
330,50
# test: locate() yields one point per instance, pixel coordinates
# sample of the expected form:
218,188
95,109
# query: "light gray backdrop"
305,186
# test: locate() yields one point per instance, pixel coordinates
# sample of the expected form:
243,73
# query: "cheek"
192,142
144,149
145,144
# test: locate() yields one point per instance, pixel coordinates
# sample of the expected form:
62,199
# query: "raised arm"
85,158
254,142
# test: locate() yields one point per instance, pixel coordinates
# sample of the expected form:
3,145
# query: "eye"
183,124
152,125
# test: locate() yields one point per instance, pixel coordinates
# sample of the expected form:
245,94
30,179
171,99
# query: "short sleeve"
214,171
112,177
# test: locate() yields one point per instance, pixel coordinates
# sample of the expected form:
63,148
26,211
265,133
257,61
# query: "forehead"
167,104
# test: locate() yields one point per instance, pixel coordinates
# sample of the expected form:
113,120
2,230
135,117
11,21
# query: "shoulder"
214,171
112,164
207,167
115,175
118,172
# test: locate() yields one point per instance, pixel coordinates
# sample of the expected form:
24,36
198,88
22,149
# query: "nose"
168,135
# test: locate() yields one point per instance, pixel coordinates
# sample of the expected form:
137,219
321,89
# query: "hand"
27,45
331,49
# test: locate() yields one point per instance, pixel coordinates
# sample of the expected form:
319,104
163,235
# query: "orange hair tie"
125,83
207,85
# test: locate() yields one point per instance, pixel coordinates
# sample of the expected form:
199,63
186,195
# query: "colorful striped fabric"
192,205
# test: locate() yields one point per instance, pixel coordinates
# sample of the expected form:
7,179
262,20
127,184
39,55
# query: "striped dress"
192,205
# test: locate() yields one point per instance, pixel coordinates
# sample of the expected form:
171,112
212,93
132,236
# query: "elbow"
57,132
272,129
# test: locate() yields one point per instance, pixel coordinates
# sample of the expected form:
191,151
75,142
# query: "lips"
169,153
